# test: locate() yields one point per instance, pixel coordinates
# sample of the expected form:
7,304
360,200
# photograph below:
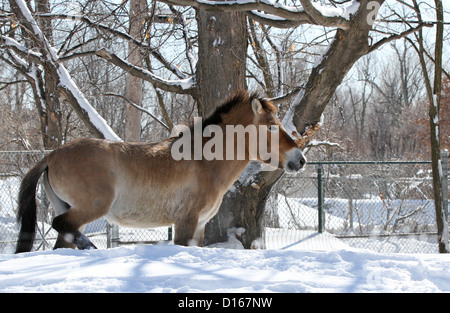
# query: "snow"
292,260
294,9
306,240
171,268
185,84
27,15
218,41
268,16
36,30
314,143
276,4
345,11
288,120
10,42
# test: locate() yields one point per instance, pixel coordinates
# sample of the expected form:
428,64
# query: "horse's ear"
257,107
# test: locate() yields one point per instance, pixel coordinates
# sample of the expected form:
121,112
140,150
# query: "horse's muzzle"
295,160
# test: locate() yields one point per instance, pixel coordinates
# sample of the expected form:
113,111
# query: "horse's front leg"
188,232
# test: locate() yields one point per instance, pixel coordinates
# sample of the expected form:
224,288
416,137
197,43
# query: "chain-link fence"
384,206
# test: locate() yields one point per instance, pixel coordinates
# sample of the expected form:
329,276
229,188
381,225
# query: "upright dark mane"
239,97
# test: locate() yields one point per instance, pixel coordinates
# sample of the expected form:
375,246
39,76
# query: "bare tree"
434,93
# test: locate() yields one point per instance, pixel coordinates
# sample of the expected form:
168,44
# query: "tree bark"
49,106
441,216
222,49
243,206
133,84
348,46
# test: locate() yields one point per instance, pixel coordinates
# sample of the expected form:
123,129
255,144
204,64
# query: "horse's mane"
239,97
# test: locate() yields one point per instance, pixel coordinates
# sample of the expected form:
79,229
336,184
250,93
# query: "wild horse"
144,185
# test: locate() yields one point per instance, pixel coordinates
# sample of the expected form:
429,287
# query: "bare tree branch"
320,19
20,49
139,108
288,97
100,26
275,21
398,36
276,14
183,86
280,10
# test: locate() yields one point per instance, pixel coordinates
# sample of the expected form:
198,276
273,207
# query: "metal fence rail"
385,206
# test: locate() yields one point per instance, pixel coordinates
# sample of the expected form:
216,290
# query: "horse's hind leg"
68,225
65,241
61,242
60,207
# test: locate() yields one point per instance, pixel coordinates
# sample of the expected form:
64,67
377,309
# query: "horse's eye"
272,128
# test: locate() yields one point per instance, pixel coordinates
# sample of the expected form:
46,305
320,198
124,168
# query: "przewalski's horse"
142,184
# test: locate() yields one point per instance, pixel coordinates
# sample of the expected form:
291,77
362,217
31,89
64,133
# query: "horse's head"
279,149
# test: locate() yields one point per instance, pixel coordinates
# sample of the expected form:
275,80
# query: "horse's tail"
26,213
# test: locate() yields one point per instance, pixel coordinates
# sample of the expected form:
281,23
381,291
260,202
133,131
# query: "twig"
139,108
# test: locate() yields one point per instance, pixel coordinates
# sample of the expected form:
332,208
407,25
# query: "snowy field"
317,263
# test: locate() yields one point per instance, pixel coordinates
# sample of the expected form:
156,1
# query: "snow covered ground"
294,261
316,263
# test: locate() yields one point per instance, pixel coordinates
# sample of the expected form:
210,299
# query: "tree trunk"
435,103
348,46
434,99
441,216
223,51
133,84
222,47
49,106
244,205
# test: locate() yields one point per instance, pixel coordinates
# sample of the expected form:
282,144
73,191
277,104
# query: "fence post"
170,233
112,235
319,198
350,212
